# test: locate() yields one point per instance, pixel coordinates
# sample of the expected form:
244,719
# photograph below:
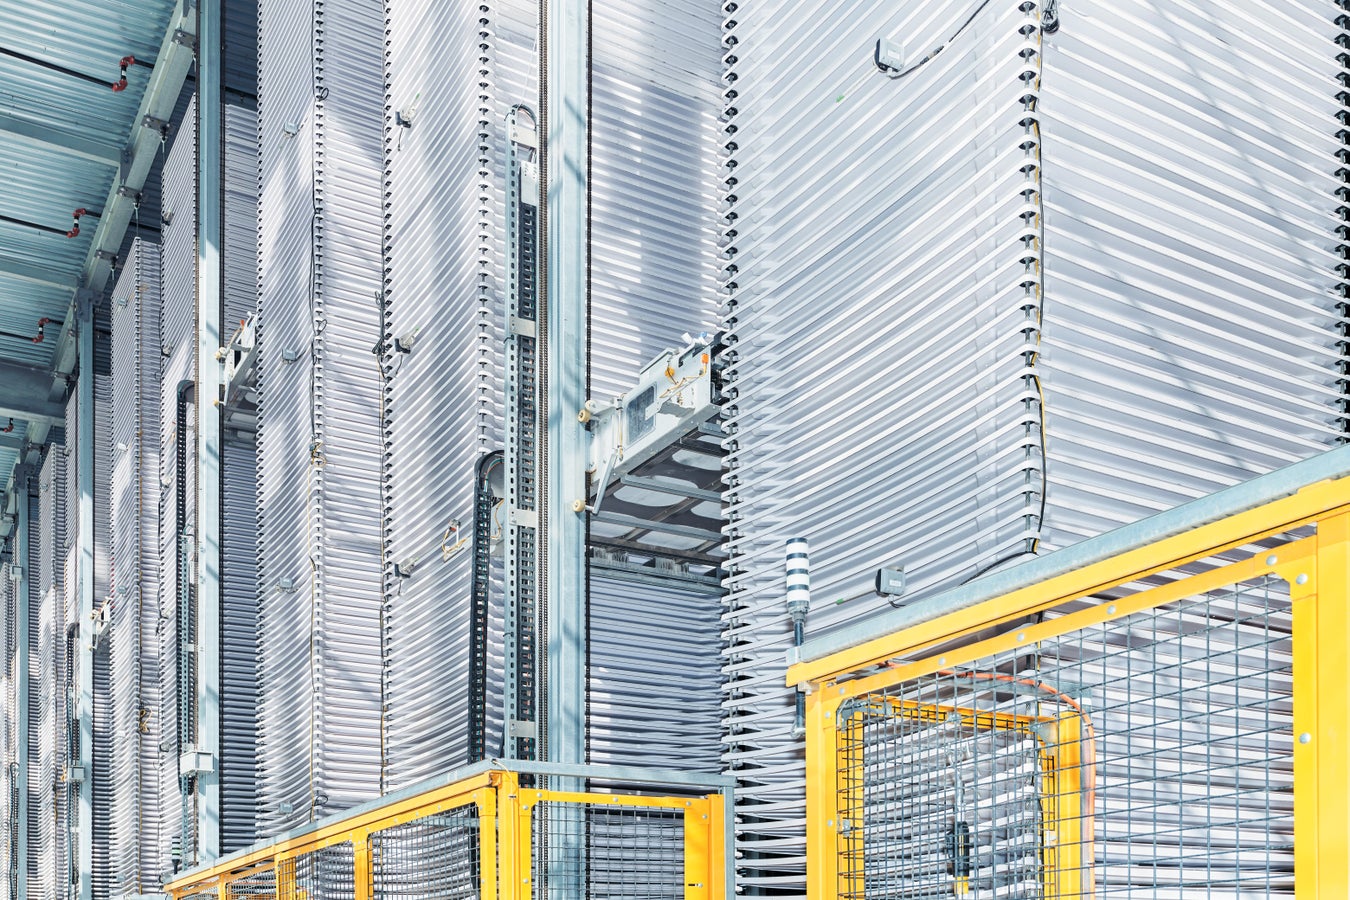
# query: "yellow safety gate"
1171,722
487,836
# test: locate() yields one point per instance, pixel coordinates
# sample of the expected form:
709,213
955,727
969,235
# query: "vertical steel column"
564,59
210,382
84,635
22,612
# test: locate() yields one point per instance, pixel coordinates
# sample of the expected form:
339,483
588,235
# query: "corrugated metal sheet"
240,244
1191,323
239,21
655,267
885,262
239,648
319,441
138,729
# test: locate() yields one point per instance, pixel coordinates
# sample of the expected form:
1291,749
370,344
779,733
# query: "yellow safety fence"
1172,722
490,836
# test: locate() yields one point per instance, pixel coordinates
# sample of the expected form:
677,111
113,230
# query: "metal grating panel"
626,852
319,445
327,874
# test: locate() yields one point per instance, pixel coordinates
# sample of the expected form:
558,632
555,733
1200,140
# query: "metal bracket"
523,327
154,124
185,39
125,191
194,762
519,728
603,482
525,518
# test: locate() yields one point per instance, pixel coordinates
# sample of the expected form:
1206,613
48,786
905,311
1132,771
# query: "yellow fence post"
1322,717
717,842
364,876
513,838
698,839
822,798
487,844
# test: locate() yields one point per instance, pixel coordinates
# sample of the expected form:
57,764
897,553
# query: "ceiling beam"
24,395
38,274
46,137
145,142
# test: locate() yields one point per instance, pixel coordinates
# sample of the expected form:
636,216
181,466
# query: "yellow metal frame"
1317,570
505,814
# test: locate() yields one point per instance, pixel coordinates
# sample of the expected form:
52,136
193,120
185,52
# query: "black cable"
55,67
50,229
933,55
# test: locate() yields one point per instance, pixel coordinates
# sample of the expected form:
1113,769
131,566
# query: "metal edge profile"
1240,498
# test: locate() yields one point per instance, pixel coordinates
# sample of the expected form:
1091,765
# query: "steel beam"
44,137
210,398
23,394
22,664
84,701
564,58
144,143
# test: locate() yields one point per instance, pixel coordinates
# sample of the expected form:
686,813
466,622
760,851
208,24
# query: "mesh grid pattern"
436,856
1150,755
327,874
261,884
608,851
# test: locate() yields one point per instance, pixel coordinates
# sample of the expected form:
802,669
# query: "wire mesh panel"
435,856
261,884
937,799
1149,754
327,874
631,852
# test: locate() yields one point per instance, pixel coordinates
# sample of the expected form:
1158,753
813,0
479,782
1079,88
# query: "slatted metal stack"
442,370
239,470
320,106
655,263
970,288
137,731
47,688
